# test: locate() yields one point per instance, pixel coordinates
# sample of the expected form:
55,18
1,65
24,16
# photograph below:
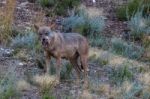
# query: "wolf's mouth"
45,43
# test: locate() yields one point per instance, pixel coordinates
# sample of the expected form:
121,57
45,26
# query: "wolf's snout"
44,42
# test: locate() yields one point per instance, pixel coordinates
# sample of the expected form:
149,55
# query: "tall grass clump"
46,85
66,71
28,42
127,11
84,24
47,3
6,20
126,49
137,26
59,7
100,41
7,84
121,73
66,7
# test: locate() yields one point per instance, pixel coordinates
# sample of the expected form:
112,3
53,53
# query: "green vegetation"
66,71
58,7
126,11
126,49
47,3
7,84
120,74
83,24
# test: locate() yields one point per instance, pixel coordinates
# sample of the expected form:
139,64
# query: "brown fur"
71,46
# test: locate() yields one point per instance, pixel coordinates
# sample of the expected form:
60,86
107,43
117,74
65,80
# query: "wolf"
70,46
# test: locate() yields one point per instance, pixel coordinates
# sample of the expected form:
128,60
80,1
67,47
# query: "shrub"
28,43
133,52
118,46
6,21
99,41
66,71
46,85
129,50
121,73
126,11
7,84
65,5
84,25
96,25
47,3
103,59
139,26
60,7
24,41
73,22
136,25
121,13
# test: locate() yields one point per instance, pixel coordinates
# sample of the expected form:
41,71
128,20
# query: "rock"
21,64
23,4
7,52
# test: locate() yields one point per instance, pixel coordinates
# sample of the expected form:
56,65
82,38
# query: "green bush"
66,71
84,25
7,84
60,7
126,11
118,45
65,5
30,42
128,50
47,3
121,73
137,31
99,41
121,13
139,26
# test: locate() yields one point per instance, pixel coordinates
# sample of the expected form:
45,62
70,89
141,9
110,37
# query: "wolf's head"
45,35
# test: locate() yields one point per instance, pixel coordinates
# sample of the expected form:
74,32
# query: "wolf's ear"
36,27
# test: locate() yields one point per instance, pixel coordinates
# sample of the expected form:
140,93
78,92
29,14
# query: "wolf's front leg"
47,68
58,68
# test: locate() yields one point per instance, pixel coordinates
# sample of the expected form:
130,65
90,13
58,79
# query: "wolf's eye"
46,33
40,34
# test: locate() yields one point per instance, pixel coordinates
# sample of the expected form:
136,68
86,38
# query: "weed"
128,50
121,73
84,25
47,3
48,96
6,21
66,71
7,84
45,82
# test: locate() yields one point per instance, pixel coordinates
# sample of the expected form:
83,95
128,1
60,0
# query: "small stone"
21,64
2,49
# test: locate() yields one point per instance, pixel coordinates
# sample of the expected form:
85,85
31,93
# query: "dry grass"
101,89
22,85
114,60
144,78
6,20
39,18
86,95
45,82
92,11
